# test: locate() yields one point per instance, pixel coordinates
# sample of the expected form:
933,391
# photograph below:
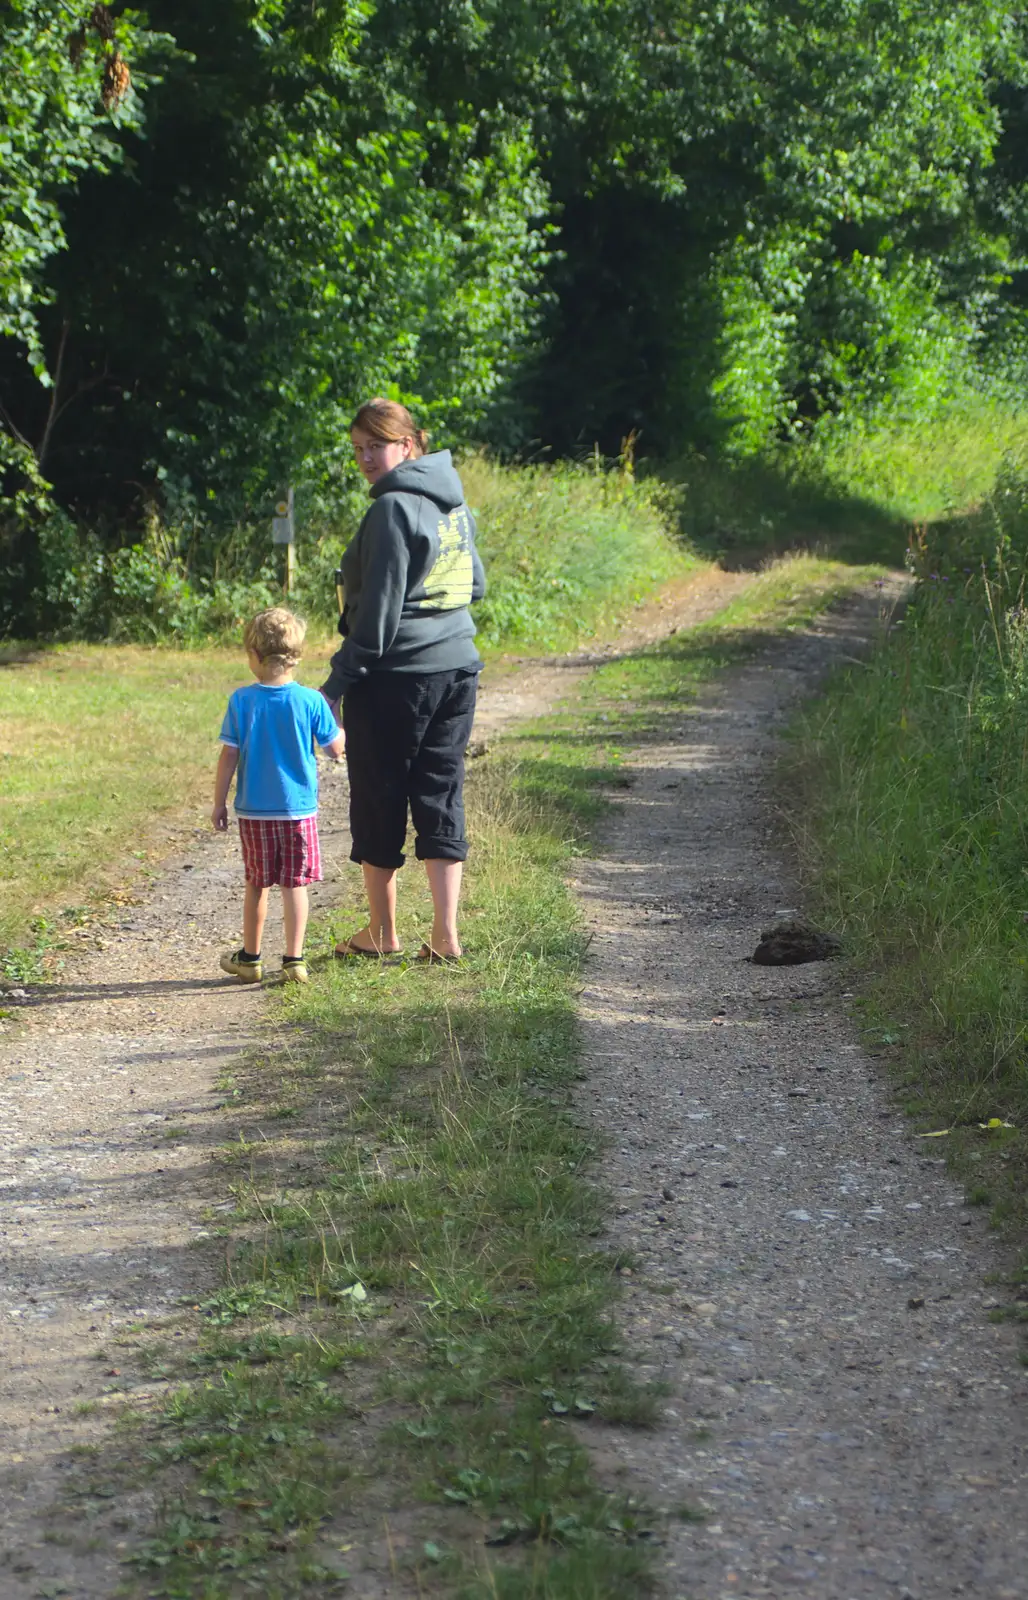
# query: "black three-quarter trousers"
406,734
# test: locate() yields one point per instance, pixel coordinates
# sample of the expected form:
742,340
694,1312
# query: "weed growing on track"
415,1339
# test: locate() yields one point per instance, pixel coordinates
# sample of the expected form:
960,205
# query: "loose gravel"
842,1417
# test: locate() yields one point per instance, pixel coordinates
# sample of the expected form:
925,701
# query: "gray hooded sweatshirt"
409,575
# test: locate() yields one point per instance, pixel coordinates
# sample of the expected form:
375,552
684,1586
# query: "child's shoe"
295,971
246,968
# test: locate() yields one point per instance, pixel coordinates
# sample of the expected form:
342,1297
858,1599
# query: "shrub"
564,548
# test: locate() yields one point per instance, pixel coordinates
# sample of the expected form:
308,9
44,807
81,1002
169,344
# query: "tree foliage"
66,90
228,221
811,150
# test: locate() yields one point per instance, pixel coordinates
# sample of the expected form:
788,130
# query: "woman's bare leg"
444,881
379,932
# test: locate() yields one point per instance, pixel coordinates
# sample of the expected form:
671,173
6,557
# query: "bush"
564,547
140,595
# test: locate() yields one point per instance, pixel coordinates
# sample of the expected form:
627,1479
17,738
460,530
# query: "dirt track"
807,1278
859,1447
111,1109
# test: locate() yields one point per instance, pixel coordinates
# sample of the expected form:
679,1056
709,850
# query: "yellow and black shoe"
248,969
294,970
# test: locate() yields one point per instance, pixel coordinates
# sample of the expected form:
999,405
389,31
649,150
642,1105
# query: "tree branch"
12,428
55,407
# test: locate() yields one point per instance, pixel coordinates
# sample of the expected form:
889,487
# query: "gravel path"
806,1279
844,1442
111,1109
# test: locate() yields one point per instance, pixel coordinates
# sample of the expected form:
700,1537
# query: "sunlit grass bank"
855,493
913,778
921,471
97,745
568,549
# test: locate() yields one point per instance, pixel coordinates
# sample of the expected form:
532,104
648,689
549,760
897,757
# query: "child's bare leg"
444,880
295,908
255,909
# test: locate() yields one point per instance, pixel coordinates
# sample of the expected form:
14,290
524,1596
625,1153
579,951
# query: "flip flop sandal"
432,958
348,948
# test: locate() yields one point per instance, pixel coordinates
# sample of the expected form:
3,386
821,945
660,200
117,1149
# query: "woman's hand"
333,706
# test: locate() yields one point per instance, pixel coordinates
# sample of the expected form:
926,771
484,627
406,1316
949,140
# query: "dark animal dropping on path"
788,943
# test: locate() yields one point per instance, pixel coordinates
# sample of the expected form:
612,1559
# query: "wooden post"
283,532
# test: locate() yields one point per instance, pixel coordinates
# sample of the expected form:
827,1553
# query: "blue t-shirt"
275,728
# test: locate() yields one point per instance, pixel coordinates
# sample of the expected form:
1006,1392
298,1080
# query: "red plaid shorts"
285,852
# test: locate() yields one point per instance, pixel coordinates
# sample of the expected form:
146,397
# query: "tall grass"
914,774
851,492
921,470
567,549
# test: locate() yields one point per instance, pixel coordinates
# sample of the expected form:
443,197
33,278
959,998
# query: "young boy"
269,733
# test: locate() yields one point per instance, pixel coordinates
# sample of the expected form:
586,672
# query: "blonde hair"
276,637
389,421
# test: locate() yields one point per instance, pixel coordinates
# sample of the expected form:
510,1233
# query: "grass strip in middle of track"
415,1329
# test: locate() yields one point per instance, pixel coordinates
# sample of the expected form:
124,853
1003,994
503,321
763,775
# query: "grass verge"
414,1340
99,743
911,776
98,746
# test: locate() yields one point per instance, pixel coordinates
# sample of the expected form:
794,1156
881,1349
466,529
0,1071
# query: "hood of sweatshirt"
433,475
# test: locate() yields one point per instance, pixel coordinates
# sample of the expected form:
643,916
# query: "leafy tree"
301,226
791,154
551,222
66,87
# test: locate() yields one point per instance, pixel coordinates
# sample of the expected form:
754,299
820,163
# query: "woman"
407,673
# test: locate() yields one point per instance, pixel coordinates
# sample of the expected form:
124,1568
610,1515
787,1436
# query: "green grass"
912,780
99,748
924,471
745,512
417,1292
568,549
855,494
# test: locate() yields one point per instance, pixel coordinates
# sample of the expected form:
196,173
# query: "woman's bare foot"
432,957
444,942
363,943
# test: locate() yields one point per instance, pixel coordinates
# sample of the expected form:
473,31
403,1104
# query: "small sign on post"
283,532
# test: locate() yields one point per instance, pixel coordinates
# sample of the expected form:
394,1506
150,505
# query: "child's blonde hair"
276,637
